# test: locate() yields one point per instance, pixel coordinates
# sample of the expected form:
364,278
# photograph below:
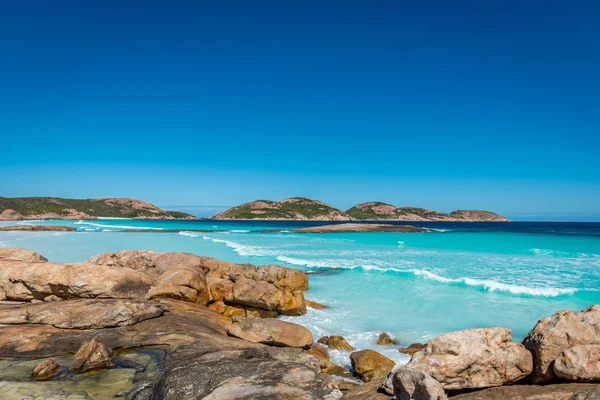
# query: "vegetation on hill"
79,208
373,211
295,208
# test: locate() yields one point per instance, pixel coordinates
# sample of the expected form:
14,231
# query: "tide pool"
413,285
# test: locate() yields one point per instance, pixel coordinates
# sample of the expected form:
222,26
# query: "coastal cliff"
302,209
295,208
18,208
377,211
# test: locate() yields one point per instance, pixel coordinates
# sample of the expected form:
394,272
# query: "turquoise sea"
413,285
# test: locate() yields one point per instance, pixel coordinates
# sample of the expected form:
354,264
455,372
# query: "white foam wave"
239,230
559,253
80,222
492,286
190,234
326,264
241,249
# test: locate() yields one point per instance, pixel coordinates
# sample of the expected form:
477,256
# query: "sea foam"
493,286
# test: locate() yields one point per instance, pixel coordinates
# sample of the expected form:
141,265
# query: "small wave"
326,264
241,249
80,222
559,253
493,286
190,234
239,230
441,230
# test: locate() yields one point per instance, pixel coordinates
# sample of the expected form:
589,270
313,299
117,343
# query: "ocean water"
412,285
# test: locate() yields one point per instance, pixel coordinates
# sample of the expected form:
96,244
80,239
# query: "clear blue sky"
457,104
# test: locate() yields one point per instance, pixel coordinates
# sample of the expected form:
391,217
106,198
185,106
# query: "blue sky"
469,104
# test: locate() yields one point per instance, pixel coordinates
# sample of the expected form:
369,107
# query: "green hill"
374,211
48,207
295,208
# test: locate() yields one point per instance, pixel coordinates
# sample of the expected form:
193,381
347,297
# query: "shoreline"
226,318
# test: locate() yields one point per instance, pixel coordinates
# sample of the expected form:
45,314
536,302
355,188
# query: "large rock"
17,253
558,332
271,287
565,391
369,364
271,331
579,363
10,215
82,314
474,359
21,280
414,384
181,283
92,355
201,359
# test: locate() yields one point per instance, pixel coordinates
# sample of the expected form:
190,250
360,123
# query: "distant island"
303,209
18,208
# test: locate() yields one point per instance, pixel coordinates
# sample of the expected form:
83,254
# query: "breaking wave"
493,286
81,222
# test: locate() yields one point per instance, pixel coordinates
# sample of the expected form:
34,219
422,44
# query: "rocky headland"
377,211
145,325
295,208
303,209
20,208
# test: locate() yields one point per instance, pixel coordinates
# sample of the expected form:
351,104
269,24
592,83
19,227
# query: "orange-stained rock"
181,283
46,370
369,364
17,253
92,355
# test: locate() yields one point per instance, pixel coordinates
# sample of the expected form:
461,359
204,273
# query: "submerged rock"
92,355
45,370
474,358
411,349
315,305
554,334
369,364
336,342
385,340
271,331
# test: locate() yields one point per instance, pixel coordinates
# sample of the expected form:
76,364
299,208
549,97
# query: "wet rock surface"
336,342
46,370
386,340
369,364
92,355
